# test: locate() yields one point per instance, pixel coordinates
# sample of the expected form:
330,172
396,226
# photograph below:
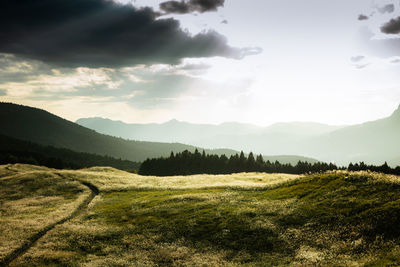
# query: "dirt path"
33,239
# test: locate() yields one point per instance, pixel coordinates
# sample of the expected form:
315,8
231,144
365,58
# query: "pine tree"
251,163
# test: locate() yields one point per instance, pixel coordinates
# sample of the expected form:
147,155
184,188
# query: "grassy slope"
244,219
32,198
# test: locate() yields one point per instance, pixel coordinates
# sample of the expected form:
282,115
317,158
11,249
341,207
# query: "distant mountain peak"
172,121
396,113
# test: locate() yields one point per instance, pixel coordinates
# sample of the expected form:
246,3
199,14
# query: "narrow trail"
33,239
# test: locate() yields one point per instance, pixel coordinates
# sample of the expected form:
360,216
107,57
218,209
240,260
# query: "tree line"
384,168
187,163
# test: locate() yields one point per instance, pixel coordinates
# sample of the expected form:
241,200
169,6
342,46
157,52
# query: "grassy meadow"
32,198
246,219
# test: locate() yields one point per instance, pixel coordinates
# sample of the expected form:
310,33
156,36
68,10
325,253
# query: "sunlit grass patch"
109,179
183,227
10,169
29,201
6,171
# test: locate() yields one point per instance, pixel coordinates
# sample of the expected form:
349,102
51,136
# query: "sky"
203,61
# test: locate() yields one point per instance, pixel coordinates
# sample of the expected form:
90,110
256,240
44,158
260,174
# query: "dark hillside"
42,127
17,151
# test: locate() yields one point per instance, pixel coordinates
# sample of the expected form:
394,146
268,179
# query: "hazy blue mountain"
301,128
41,127
171,131
208,135
373,142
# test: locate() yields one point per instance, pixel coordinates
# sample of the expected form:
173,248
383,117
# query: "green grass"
30,200
334,219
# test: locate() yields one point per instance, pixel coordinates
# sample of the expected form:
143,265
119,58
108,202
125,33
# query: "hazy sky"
210,61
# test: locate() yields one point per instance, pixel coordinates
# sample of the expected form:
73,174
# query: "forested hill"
42,127
17,151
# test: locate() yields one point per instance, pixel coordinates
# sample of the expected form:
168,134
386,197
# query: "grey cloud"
182,7
224,21
384,48
175,7
362,66
153,88
193,66
161,91
359,62
14,69
386,9
141,87
362,17
392,27
101,33
357,58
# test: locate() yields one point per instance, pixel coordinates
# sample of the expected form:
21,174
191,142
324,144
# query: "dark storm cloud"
386,9
362,17
392,27
182,7
97,33
175,7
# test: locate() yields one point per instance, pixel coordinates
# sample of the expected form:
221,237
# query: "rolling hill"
41,127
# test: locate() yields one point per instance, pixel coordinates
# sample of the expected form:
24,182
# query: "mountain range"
41,127
373,142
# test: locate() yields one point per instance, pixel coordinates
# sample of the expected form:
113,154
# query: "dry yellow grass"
109,179
246,219
28,214
31,200
97,242
373,177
